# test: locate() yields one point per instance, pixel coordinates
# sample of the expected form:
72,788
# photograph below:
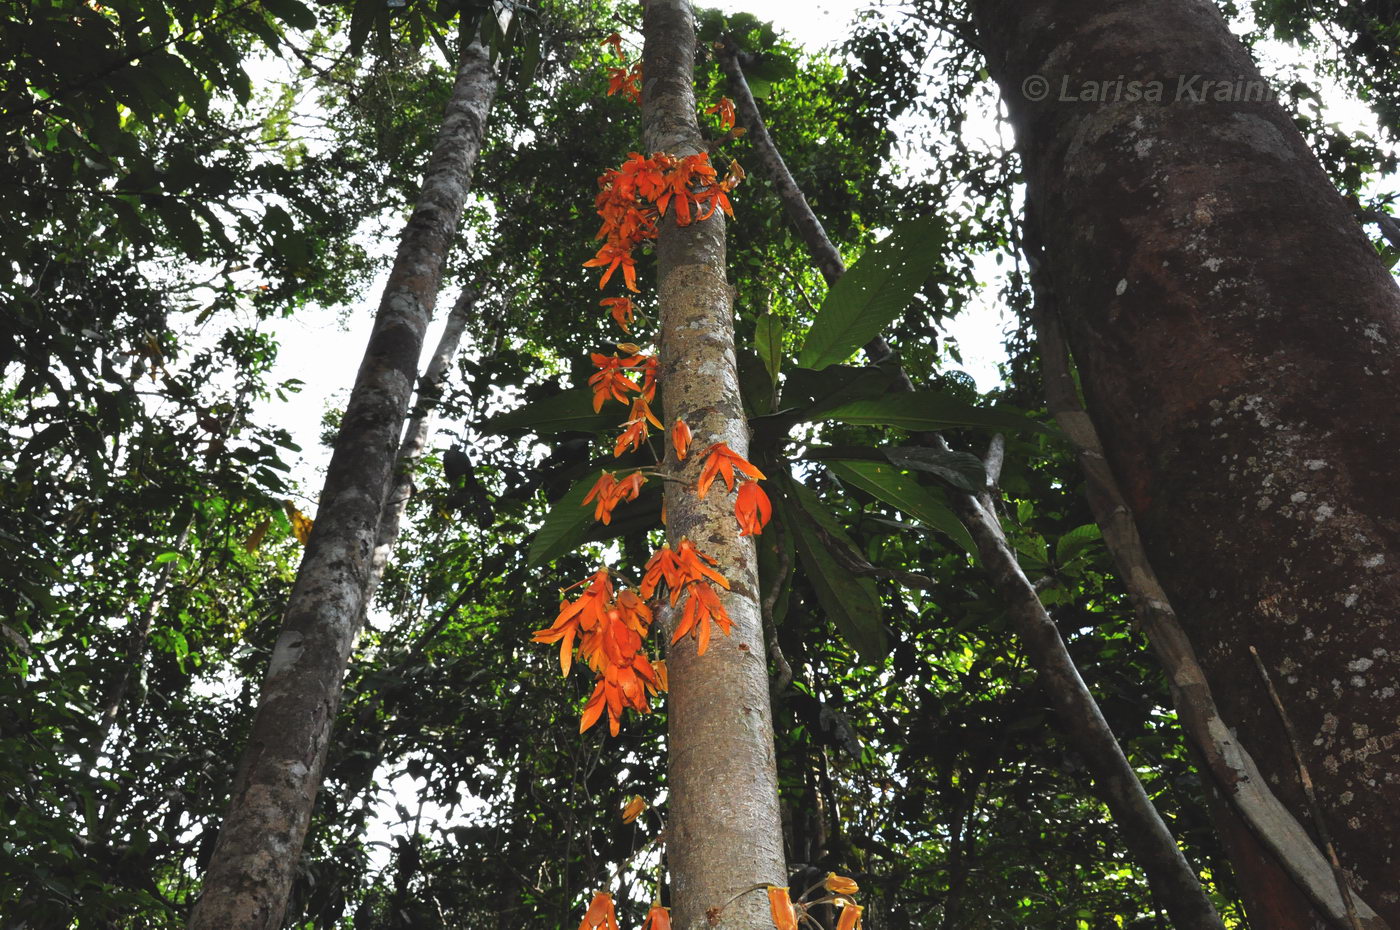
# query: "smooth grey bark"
254,861
1235,335
1174,883
724,830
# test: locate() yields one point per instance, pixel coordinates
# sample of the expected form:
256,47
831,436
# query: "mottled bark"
1235,334
275,789
724,832
1173,881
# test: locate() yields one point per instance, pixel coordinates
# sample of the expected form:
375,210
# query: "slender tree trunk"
415,440
1235,334
1174,883
725,830
275,790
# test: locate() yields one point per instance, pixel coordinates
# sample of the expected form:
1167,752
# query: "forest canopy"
682,383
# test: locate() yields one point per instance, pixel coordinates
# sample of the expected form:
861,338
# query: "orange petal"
784,916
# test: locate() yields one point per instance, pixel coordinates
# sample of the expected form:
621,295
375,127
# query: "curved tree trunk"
274,792
1235,334
724,832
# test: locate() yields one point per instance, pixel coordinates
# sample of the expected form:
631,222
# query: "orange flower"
583,615
632,437
680,438
603,490
651,367
752,509
611,382
702,607
725,109
626,82
840,884
721,461
615,255
615,41
600,914
663,566
694,567
658,918
609,492
784,914
633,809
622,310
850,917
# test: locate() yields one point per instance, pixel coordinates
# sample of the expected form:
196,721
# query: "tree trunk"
725,831
415,440
275,790
1173,881
1235,336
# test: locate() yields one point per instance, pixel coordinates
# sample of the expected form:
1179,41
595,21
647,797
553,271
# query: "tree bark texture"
724,832
1254,815
1174,882
1235,334
275,789
415,440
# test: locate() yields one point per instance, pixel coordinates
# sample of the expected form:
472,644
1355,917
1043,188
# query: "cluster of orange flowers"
624,80
787,914
608,631
632,198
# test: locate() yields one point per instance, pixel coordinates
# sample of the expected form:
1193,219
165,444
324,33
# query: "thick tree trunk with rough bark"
1235,334
274,792
724,831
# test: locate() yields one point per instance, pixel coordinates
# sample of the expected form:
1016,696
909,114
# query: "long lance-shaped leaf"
254,860
873,293
923,411
905,495
852,603
569,410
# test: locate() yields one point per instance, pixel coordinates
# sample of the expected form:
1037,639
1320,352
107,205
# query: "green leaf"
852,603
929,410
569,410
873,292
768,341
1076,541
292,13
816,393
962,470
904,494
